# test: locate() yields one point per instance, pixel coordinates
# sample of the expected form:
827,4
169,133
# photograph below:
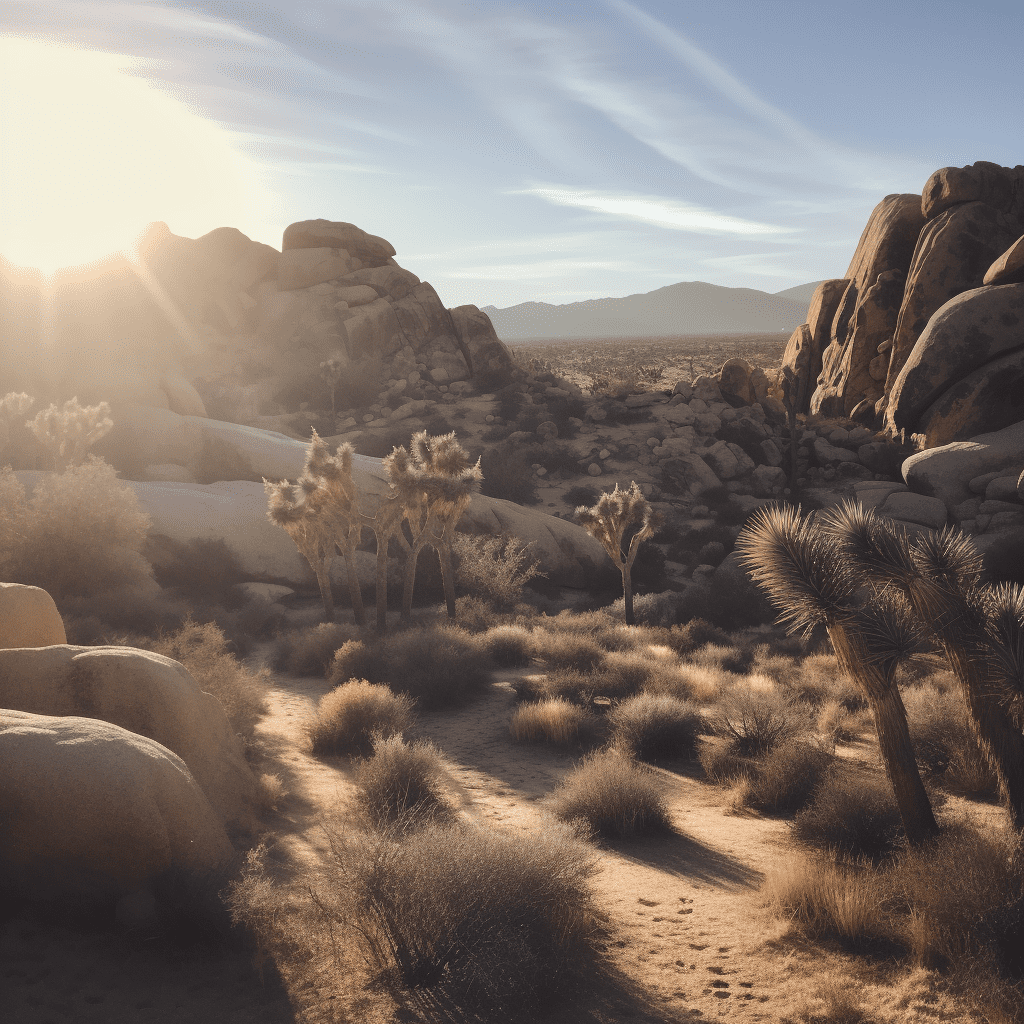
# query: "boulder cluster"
925,334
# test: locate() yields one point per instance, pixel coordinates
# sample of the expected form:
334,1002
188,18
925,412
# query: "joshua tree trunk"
324,579
894,744
627,593
355,594
444,554
382,584
410,580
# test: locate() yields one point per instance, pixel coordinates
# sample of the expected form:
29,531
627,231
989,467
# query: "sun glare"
89,154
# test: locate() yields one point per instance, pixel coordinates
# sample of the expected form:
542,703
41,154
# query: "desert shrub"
509,646
310,651
349,717
487,920
564,650
755,719
817,679
944,742
142,610
651,609
624,673
555,720
701,684
508,475
203,650
599,625
81,533
257,619
494,568
615,796
835,723
650,727
402,782
965,894
270,791
202,570
580,494
825,900
730,657
852,815
510,401
696,633
788,776
722,765
438,666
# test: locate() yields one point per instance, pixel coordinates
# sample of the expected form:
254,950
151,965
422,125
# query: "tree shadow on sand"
680,855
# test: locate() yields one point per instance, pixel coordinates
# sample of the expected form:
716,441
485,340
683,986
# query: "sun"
90,153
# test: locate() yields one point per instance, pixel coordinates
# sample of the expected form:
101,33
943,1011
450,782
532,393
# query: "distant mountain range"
690,307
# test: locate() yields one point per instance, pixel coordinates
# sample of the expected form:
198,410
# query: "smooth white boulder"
146,694
28,618
95,810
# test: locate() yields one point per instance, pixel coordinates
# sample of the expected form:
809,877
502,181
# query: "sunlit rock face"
181,322
882,363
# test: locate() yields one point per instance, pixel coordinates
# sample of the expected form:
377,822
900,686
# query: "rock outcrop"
146,694
94,811
28,618
915,259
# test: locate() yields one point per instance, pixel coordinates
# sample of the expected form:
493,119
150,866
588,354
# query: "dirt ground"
685,927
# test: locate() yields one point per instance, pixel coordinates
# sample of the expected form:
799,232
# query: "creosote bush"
402,783
350,717
488,921
651,727
787,777
555,721
756,718
614,796
494,568
438,666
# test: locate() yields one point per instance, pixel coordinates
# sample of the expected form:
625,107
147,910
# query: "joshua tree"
433,484
323,519
980,628
69,431
387,523
802,568
621,521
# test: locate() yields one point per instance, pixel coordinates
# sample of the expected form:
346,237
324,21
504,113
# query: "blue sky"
566,151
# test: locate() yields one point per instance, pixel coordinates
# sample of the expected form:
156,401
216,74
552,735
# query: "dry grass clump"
509,646
944,742
354,714
438,666
624,673
310,651
568,650
651,727
690,636
722,765
754,717
698,683
555,720
615,796
787,777
852,815
730,657
484,920
817,679
402,783
825,900
608,632
203,650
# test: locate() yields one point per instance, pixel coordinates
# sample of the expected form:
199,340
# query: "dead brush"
310,651
614,796
568,650
787,777
556,721
351,717
509,646
653,727
753,717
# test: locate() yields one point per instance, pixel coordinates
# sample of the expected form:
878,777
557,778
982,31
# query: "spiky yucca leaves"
319,513
616,516
433,484
979,628
801,566
67,432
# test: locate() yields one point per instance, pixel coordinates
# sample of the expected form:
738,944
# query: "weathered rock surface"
1009,268
734,382
28,618
146,694
983,181
953,252
947,471
971,330
94,810
315,234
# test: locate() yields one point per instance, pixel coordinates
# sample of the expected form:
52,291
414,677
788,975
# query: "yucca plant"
979,628
621,521
319,513
801,566
433,484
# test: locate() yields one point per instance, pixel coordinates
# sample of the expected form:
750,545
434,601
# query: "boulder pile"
925,334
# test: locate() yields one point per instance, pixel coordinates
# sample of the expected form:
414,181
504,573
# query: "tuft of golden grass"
555,721
349,717
509,645
576,651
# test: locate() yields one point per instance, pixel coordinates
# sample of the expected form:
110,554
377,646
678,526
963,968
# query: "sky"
509,151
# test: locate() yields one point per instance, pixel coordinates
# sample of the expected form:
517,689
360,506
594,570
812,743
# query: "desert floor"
687,937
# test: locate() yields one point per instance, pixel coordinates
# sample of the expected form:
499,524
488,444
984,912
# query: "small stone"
604,453
594,469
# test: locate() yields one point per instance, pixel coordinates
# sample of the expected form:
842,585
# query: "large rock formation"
28,618
144,693
94,811
893,357
182,322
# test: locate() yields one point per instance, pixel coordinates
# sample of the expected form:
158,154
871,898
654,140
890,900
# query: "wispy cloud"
663,213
